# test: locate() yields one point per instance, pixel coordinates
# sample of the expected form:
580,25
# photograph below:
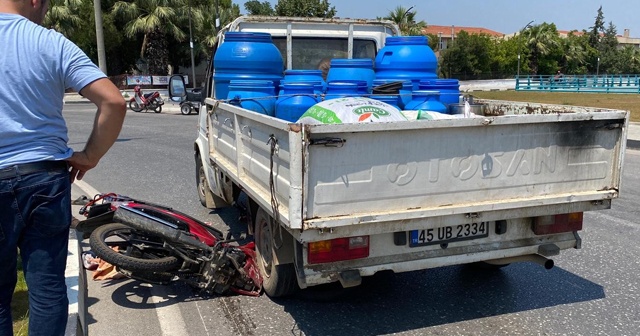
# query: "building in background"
447,34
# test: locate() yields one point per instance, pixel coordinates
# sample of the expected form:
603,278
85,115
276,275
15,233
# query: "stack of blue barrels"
249,72
409,59
247,69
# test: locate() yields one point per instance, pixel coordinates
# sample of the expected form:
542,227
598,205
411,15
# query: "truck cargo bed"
517,160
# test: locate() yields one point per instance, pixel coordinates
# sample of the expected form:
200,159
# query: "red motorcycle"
156,244
148,101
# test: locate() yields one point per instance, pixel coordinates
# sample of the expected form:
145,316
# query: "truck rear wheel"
277,280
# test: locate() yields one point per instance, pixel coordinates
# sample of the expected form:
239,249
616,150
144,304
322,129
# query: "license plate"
448,234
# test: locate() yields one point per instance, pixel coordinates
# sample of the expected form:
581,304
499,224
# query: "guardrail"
580,83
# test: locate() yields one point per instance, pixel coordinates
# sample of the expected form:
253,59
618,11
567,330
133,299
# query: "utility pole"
193,64
102,58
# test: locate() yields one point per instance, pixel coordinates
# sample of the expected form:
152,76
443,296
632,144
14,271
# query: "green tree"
630,60
468,57
575,53
504,57
80,28
227,13
305,8
597,29
204,31
434,42
406,20
255,7
542,40
610,61
63,16
154,19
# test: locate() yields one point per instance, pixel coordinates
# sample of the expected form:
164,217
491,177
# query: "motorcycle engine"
217,275
220,273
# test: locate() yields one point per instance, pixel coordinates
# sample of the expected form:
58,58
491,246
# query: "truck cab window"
307,52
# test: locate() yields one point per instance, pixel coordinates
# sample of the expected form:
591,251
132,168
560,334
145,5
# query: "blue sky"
505,16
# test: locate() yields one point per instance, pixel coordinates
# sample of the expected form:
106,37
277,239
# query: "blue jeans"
35,215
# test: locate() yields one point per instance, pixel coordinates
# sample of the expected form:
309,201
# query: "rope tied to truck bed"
272,187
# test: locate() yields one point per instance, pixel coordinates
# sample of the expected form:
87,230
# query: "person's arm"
106,126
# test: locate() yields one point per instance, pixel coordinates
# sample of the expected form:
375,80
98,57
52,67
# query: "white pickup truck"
338,202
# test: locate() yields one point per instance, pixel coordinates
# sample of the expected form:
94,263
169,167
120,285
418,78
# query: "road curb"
75,274
72,274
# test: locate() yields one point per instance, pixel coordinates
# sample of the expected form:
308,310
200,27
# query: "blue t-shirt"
36,66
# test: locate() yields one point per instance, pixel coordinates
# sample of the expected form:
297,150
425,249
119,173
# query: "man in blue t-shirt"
36,165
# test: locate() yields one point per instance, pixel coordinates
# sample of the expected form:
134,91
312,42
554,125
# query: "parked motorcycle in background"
149,101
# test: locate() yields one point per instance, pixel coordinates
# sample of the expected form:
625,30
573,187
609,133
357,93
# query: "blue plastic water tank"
406,57
341,90
246,56
363,86
426,100
352,69
449,89
254,95
304,76
295,100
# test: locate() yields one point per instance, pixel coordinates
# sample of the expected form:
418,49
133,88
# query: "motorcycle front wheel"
134,106
136,251
157,108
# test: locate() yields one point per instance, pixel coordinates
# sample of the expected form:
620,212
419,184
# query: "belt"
32,167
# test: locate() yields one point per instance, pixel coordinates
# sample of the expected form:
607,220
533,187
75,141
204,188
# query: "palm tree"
63,16
406,20
155,19
226,14
540,40
574,53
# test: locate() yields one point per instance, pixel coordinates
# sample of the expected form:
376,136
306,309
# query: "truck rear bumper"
330,272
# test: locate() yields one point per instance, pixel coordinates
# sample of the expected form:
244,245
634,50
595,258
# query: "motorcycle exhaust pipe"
141,221
536,258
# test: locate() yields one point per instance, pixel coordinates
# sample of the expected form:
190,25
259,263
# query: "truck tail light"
557,223
338,249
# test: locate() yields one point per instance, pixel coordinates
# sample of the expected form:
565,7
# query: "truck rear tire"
207,198
277,280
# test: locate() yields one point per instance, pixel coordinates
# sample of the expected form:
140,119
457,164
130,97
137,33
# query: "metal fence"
580,83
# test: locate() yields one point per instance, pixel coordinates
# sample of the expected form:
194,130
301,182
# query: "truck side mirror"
177,88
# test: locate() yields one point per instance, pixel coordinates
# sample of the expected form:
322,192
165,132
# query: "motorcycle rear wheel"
137,251
134,106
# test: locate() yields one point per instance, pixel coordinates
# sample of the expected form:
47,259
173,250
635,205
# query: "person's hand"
80,164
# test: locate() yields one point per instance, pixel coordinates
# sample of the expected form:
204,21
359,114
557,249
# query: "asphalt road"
591,291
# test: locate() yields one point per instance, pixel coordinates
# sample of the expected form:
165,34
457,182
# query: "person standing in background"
36,165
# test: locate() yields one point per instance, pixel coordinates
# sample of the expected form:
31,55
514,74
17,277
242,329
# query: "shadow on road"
391,303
